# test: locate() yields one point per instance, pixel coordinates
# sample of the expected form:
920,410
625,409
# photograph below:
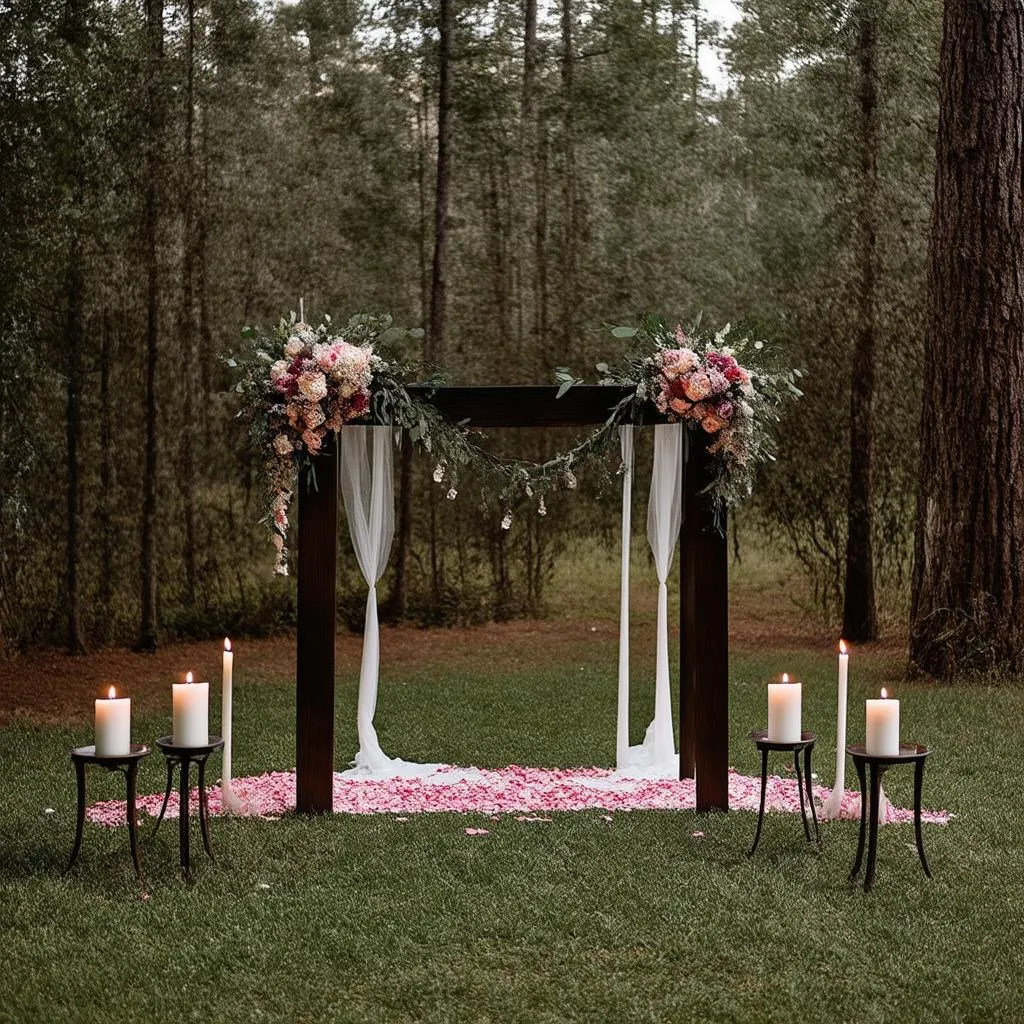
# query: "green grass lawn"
370,919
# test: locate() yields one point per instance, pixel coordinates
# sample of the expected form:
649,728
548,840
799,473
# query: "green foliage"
583,191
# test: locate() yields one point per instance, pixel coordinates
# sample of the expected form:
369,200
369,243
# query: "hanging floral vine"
302,383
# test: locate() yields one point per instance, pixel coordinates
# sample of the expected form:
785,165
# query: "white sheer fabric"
622,759
664,513
366,486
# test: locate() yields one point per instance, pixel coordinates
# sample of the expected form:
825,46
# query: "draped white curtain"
622,758
366,486
664,513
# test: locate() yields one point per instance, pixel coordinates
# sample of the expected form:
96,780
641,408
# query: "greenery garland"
301,383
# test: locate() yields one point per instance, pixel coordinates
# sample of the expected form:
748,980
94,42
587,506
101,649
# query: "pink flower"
279,369
719,382
677,361
724,410
720,361
313,440
313,385
680,335
736,373
698,387
679,406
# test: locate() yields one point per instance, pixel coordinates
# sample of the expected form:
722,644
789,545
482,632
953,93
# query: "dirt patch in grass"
55,688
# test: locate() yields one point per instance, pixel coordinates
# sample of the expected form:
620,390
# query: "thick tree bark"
155,33
860,621
968,586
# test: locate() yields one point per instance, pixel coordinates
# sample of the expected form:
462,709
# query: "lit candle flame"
842,647
227,644
188,677
111,693
785,677
884,694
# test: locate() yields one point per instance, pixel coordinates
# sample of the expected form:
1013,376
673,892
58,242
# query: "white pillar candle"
113,725
784,725
191,713
883,727
227,680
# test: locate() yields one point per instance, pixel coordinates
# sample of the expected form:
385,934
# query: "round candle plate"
135,751
761,741
166,745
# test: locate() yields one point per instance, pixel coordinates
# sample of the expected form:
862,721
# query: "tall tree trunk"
968,586
107,484
569,183
186,320
860,622
73,337
436,341
154,104
438,285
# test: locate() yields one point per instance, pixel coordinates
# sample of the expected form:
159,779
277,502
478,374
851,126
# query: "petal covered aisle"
496,791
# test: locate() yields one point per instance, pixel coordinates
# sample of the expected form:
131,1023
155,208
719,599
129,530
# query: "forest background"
513,176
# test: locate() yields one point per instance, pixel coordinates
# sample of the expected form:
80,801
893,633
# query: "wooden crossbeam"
704,605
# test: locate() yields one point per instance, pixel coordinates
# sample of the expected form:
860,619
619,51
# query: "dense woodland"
512,176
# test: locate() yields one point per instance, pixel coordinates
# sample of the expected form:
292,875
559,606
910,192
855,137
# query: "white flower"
452,494
293,347
279,369
283,444
438,472
542,508
506,523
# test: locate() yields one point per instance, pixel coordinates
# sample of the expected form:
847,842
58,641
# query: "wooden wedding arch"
704,604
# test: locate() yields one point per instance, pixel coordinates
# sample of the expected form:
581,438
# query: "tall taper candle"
227,679
191,713
830,809
113,725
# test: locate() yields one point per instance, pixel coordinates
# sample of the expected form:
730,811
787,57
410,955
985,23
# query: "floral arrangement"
696,377
301,383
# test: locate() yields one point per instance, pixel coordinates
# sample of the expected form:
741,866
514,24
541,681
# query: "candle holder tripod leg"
810,793
800,791
918,785
855,870
760,813
167,795
80,821
204,809
876,788
133,839
183,820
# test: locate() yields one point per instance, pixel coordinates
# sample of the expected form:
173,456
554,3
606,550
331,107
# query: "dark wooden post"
704,640
314,681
